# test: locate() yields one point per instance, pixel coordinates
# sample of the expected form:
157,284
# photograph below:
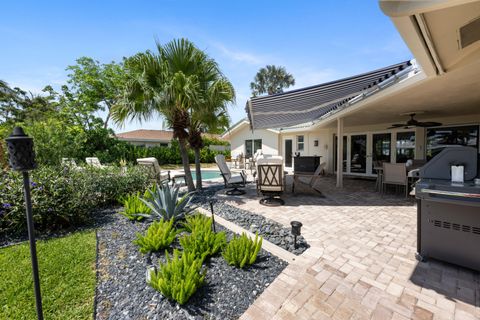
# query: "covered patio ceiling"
454,94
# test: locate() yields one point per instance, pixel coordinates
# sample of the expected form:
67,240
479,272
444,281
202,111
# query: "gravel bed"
270,230
122,292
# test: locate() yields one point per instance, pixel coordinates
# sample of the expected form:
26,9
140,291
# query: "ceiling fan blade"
398,125
429,124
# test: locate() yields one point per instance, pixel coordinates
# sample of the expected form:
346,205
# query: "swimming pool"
207,174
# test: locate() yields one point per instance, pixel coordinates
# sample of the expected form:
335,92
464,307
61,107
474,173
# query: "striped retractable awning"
308,104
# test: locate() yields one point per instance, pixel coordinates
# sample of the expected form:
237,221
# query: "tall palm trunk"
186,164
198,169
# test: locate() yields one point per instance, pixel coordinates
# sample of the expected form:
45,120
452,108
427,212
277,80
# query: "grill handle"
451,193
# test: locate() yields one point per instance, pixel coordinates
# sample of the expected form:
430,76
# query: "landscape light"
296,230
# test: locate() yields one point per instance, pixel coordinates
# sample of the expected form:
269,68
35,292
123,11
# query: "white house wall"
269,140
325,137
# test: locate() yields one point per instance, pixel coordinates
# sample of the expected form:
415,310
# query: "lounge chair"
154,169
94,161
308,180
395,174
271,182
231,181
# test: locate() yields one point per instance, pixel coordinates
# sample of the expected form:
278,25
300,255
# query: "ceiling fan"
415,123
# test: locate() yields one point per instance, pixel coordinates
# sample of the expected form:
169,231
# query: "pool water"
207,175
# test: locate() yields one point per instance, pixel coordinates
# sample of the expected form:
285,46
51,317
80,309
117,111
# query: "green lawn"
67,276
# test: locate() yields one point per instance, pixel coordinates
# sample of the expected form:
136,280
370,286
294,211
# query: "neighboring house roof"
146,135
308,104
153,135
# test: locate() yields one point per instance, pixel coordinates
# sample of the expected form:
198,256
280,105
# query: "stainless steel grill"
449,212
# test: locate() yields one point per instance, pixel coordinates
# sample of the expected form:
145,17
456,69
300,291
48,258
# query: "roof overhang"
142,139
239,125
433,30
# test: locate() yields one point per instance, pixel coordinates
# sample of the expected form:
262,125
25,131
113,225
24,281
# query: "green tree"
94,86
271,80
167,84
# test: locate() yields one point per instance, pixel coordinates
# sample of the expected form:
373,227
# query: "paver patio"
361,263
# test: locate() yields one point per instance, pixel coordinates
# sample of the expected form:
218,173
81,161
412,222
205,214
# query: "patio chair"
271,182
309,181
395,174
231,181
94,161
151,164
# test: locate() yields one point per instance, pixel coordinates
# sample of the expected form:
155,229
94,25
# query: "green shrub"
202,241
165,203
133,205
159,235
63,197
242,250
179,277
197,221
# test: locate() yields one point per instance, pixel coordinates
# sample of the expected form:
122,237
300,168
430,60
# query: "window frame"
302,143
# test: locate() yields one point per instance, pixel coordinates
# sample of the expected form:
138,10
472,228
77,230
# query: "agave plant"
165,202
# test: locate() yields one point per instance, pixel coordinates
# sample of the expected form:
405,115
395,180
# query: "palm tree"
167,84
211,113
271,80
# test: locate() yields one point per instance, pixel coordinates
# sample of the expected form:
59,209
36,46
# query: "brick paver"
361,263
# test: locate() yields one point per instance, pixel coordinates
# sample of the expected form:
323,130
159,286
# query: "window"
163,144
251,146
300,143
440,138
405,146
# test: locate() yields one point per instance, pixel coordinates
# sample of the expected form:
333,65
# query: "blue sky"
316,41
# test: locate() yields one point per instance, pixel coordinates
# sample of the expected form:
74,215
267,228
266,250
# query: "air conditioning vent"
470,33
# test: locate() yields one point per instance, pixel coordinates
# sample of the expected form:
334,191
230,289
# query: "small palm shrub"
179,277
242,250
202,241
166,203
158,236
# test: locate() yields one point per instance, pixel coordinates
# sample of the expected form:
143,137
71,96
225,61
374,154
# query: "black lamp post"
22,158
296,230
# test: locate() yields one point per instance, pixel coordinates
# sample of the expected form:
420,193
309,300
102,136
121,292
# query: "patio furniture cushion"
230,181
94,161
152,164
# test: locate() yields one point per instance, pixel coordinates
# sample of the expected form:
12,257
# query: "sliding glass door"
358,153
381,146
362,152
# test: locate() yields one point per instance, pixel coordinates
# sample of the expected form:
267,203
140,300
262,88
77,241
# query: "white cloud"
305,77
239,56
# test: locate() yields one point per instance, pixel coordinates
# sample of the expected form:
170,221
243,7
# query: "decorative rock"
270,230
122,293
